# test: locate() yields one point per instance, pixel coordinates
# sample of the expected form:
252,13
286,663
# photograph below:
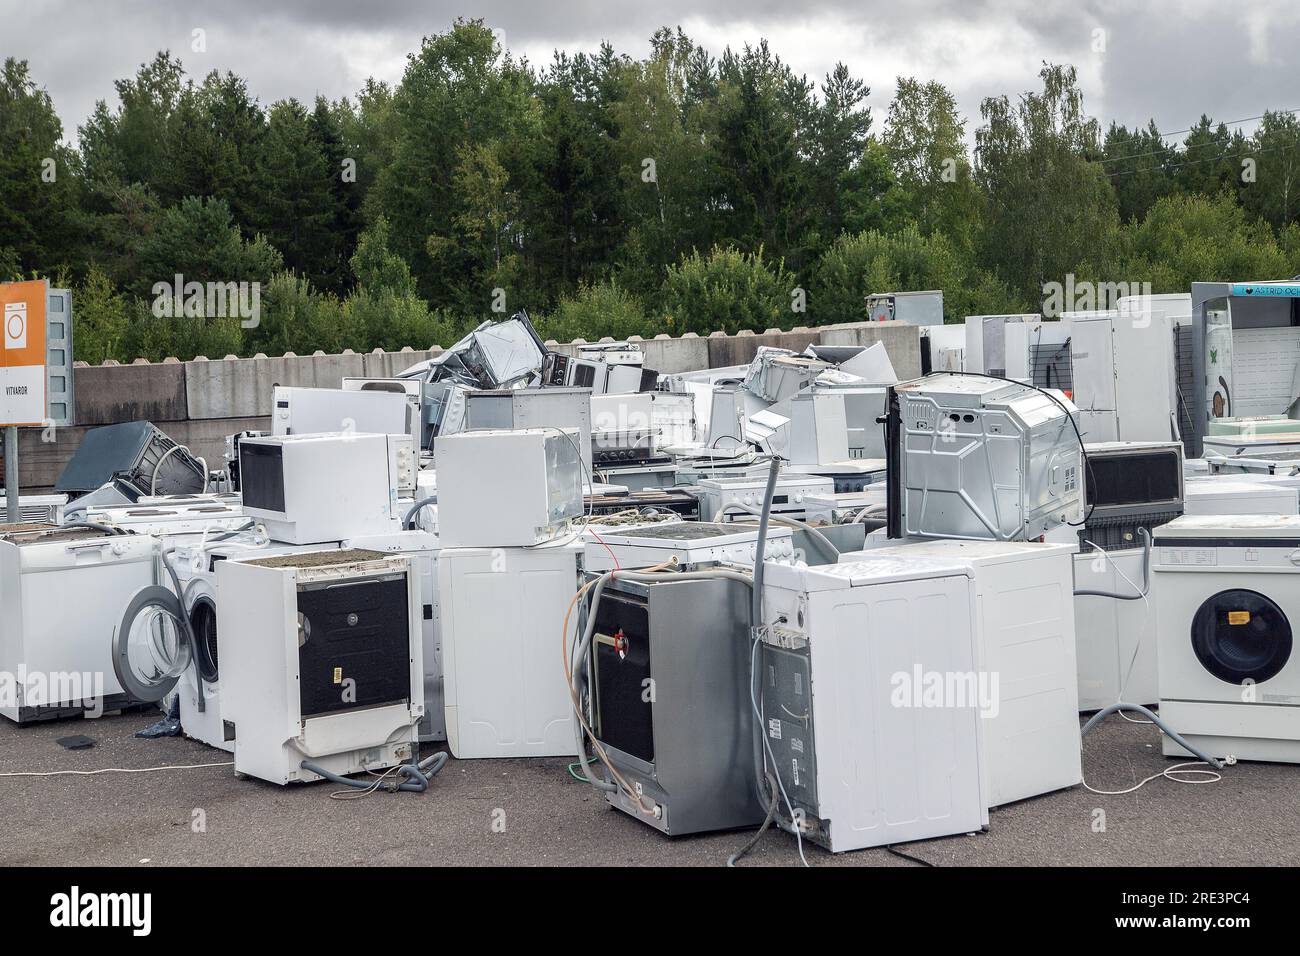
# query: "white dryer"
1227,593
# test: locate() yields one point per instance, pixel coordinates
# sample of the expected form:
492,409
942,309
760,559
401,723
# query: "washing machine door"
1240,635
150,648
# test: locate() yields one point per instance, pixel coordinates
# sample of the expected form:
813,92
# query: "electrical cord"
91,773
153,479
1203,758
907,856
795,825
1169,773
1141,593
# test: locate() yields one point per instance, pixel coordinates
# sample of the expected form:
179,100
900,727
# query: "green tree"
1271,190
597,310
839,138
726,291
461,90
1139,166
764,112
1206,164
906,259
1186,239
40,224
671,196
925,142
103,316
1050,209
294,185
131,145
199,240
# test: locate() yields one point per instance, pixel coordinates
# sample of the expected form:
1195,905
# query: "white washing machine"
1227,592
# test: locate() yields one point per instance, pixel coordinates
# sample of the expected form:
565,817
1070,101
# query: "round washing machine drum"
1241,635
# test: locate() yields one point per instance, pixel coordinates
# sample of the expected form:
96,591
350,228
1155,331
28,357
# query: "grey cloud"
1170,61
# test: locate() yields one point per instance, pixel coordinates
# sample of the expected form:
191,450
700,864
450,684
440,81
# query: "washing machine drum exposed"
1240,635
203,622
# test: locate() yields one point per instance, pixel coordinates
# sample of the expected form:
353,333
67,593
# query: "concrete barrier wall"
199,403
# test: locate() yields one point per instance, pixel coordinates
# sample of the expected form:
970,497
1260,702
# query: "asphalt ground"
531,812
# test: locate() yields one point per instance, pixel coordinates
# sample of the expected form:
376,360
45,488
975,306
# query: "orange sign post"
22,372
22,359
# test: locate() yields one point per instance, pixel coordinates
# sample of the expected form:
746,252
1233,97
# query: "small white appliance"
63,592
719,495
1227,592
313,488
501,488
986,341
304,411
1122,365
689,543
321,662
856,474
502,615
868,753
513,409
613,353
981,458
1218,495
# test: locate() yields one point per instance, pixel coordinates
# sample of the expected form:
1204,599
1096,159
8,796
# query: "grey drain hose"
1173,735
417,775
755,622
1146,574
416,508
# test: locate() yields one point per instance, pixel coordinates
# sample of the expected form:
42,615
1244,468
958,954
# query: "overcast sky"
1170,60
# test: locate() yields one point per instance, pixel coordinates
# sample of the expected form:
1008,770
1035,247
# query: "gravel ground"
1250,817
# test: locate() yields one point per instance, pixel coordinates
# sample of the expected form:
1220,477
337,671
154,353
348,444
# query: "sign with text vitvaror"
22,359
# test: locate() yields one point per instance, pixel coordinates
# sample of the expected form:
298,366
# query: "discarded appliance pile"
797,592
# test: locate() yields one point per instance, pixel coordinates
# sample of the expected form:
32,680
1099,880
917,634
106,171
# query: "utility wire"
1179,132
1197,162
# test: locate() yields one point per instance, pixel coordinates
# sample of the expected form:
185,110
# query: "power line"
1158,152
1197,162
